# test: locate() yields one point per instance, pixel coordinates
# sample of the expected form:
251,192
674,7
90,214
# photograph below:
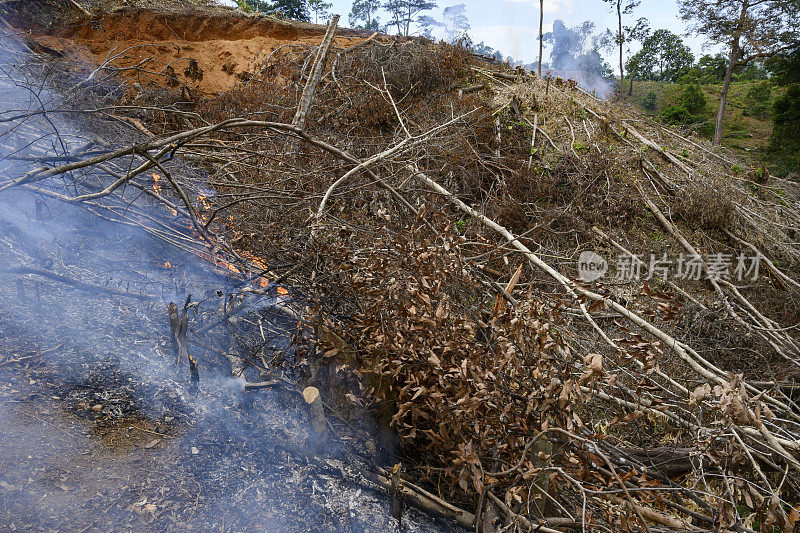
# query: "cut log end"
319,424
310,395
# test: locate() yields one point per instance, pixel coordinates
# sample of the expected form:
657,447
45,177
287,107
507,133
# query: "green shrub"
677,114
706,129
787,117
785,140
650,100
693,99
758,100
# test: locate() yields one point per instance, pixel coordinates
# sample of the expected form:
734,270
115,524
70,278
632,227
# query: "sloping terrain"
103,428
436,212
748,125
208,52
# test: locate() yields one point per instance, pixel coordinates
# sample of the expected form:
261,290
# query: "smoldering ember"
264,271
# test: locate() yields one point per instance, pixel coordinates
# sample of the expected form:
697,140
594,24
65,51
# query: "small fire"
254,259
203,202
157,190
225,264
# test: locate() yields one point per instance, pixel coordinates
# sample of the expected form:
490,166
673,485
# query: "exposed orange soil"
160,48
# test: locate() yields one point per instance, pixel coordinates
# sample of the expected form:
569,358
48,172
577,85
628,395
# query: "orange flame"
255,262
225,264
203,202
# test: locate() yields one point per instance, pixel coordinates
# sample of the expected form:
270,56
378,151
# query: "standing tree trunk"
541,17
621,42
734,59
396,13
630,87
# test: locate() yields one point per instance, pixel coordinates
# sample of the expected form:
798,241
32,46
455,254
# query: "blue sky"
512,25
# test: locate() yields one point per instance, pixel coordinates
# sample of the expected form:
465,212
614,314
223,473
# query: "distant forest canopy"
662,55
760,41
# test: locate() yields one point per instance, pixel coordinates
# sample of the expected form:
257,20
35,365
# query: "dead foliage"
707,204
466,380
473,342
459,389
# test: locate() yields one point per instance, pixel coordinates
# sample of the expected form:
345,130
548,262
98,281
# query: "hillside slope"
566,312
211,52
747,125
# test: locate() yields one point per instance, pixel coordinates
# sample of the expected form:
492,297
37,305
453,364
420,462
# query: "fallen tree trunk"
81,285
316,74
424,500
671,462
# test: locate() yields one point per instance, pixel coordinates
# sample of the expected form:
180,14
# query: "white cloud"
550,6
502,33
522,42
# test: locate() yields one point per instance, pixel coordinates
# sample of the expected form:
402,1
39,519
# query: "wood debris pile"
433,208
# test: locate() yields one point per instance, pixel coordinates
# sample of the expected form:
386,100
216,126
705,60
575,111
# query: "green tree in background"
362,14
785,139
715,65
290,9
751,29
672,57
320,9
693,99
625,34
785,67
663,56
640,67
404,13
